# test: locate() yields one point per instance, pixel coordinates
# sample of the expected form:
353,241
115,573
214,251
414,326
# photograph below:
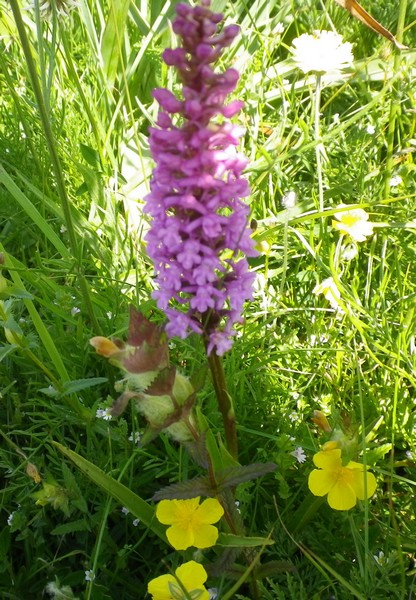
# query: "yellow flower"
190,523
322,52
329,289
190,576
343,484
354,223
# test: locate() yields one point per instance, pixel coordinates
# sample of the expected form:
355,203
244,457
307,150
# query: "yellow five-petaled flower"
343,484
188,582
191,523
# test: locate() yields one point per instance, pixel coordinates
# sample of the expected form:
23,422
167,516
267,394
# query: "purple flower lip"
199,237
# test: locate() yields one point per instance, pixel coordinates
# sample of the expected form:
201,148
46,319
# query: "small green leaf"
200,486
232,477
91,156
76,385
80,525
5,350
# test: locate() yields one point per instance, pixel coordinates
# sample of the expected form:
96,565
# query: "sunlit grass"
74,171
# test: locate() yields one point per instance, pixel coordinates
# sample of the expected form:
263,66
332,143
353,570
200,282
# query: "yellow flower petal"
172,511
192,575
328,459
104,346
191,523
159,587
320,482
359,477
342,496
180,536
210,511
207,536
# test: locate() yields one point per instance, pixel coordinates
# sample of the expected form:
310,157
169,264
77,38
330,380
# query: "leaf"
33,213
91,156
80,525
136,505
362,15
237,541
200,486
111,45
5,350
232,477
76,385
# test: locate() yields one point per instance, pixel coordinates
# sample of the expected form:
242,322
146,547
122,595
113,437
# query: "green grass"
75,166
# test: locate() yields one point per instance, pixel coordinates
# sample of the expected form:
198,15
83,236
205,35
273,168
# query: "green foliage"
74,170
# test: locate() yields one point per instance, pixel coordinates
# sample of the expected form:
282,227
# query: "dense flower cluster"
199,233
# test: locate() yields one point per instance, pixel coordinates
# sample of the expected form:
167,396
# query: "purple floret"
199,237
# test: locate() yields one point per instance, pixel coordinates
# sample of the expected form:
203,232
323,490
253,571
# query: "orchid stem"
224,403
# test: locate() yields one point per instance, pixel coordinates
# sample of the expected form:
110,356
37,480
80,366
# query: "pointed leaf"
111,45
232,477
76,385
200,486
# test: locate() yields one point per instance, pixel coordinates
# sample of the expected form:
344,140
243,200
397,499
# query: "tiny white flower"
63,229
104,413
125,510
395,181
328,288
289,199
136,439
89,575
380,558
279,29
136,522
336,118
293,416
75,310
322,52
370,129
353,222
213,593
349,252
299,454
109,314
10,519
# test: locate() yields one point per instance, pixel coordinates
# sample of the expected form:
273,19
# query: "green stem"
319,146
224,403
55,160
394,103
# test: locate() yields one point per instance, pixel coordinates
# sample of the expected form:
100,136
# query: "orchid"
199,235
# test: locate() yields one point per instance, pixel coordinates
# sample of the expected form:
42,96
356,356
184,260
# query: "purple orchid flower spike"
199,237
